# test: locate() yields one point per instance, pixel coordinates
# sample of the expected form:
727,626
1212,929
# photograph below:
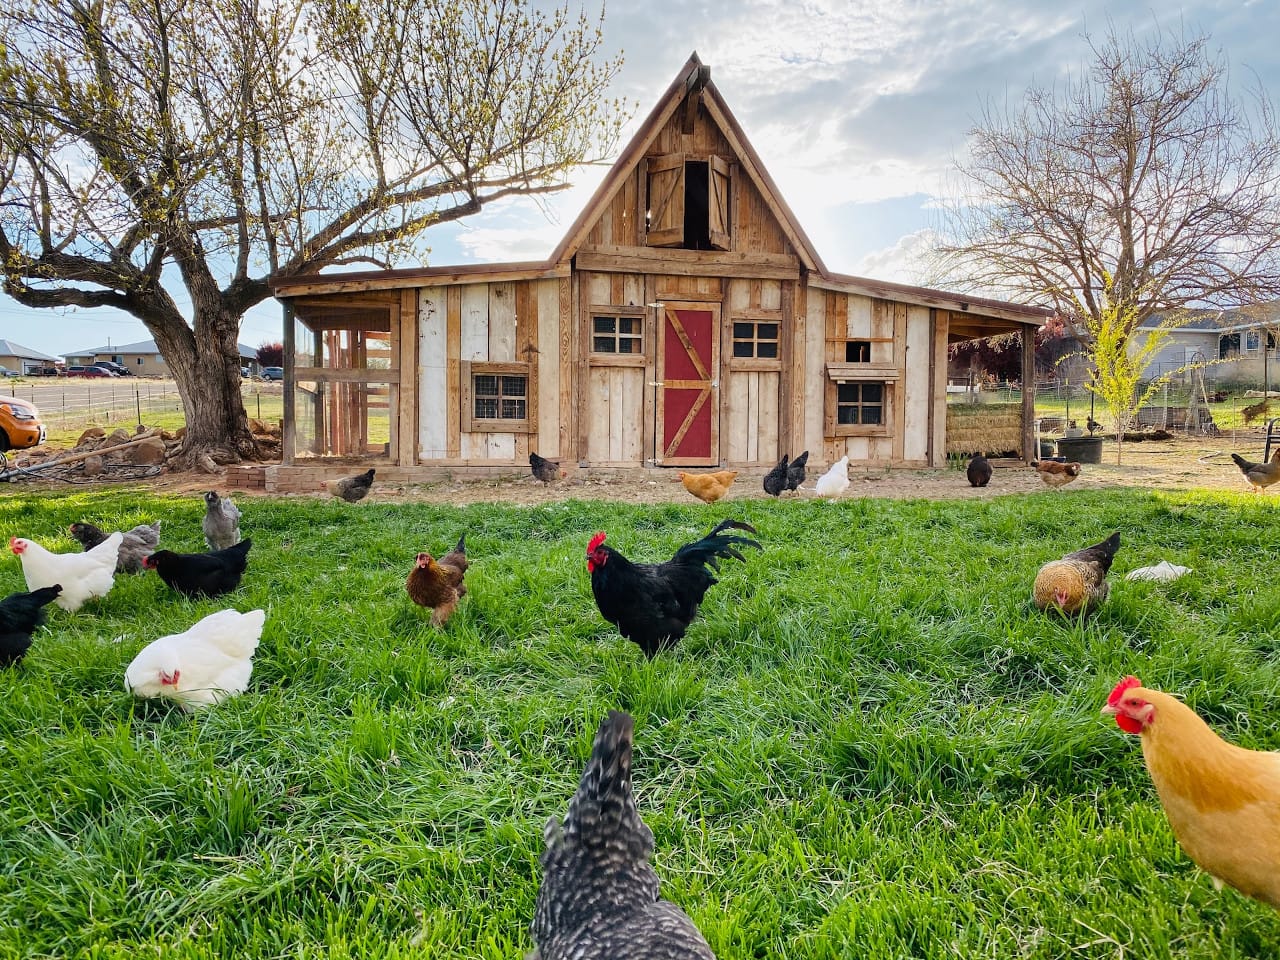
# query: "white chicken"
82,576
211,661
835,481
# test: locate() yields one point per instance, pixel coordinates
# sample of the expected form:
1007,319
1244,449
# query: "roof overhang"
371,280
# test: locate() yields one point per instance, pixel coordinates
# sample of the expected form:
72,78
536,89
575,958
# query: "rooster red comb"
595,542
1128,683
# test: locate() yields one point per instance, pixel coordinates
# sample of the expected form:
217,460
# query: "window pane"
767,331
871,414
767,348
512,409
629,345
742,348
847,392
846,415
604,345
743,331
629,325
513,386
486,409
486,385
604,324
872,393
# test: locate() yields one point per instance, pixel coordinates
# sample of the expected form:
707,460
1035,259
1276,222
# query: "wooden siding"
614,401
751,398
433,377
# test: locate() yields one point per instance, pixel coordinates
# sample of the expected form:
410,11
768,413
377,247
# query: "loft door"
688,371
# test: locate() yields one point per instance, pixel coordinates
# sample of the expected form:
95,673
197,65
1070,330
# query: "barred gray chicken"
599,894
221,521
138,543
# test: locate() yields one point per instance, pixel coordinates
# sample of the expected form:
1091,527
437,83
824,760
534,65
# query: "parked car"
273,373
48,370
6,372
20,424
119,369
76,370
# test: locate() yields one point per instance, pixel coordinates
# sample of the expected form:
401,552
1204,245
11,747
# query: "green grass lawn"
869,745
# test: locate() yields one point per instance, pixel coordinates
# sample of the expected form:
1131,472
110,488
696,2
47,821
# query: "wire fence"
66,405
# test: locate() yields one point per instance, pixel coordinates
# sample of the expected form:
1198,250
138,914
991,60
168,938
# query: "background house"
20,358
684,320
144,359
1244,340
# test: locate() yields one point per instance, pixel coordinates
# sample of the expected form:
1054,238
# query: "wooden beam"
689,263
1029,396
289,430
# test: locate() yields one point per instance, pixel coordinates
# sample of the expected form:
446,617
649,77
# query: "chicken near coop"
204,665
600,895
351,489
437,584
21,614
138,543
835,481
548,471
82,576
1259,475
1056,474
209,574
978,471
797,470
708,487
1222,801
221,524
652,604
1078,582
775,481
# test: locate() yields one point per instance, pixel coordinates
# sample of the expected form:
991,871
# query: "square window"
617,334
499,397
755,339
860,404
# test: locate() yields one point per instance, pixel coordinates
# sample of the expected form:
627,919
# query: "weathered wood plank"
502,322
918,384
453,369
433,373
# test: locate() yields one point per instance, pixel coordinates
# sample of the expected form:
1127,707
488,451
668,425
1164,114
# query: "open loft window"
497,398
755,339
857,351
687,202
616,334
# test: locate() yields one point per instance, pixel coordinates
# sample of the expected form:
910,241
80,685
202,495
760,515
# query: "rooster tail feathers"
462,545
716,544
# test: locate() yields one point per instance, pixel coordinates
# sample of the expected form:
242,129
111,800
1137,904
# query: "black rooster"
202,574
979,471
20,615
599,893
796,472
775,481
652,604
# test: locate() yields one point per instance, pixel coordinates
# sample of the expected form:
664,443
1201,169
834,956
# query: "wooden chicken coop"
684,320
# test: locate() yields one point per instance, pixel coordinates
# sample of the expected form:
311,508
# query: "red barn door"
688,404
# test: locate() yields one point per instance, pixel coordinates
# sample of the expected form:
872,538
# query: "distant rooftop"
143,346
10,349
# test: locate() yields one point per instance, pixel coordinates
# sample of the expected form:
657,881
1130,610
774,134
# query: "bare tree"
1141,188
148,145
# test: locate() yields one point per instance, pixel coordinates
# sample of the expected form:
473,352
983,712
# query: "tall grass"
869,744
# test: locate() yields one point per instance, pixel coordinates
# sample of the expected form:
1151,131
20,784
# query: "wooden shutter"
718,188
666,201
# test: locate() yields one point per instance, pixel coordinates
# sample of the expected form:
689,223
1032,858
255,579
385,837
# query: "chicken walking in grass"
652,604
1056,474
1222,801
82,576
221,523
201,666
202,574
437,584
979,471
1259,475
835,481
708,487
1078,582
138,543
352,489
599,898
21,614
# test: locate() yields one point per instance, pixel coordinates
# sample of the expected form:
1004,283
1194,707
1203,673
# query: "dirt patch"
1180,463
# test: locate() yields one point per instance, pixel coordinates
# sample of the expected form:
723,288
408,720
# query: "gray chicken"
140,542
221,521
599,894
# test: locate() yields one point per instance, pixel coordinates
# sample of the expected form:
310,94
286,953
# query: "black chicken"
599,893
978,471
652,604
775,481
796,471
20,615
543,469
202,574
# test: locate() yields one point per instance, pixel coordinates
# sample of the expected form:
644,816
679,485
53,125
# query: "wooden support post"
1029,394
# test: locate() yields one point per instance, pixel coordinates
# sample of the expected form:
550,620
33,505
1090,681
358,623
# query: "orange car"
20,424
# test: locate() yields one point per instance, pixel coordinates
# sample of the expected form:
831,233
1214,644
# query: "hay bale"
984,428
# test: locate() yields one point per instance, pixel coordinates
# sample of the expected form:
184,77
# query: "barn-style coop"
684,320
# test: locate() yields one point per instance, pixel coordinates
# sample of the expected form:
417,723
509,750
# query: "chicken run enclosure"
685,319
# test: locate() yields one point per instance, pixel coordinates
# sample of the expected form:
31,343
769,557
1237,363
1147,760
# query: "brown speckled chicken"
437,584
1078,582
708,487
599,894
1056,474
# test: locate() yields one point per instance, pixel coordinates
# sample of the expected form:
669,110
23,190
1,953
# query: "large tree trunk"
205,362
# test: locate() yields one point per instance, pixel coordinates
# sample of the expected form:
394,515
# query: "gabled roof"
142,346
10,349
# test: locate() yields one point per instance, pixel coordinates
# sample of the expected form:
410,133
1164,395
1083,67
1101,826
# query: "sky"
858,110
